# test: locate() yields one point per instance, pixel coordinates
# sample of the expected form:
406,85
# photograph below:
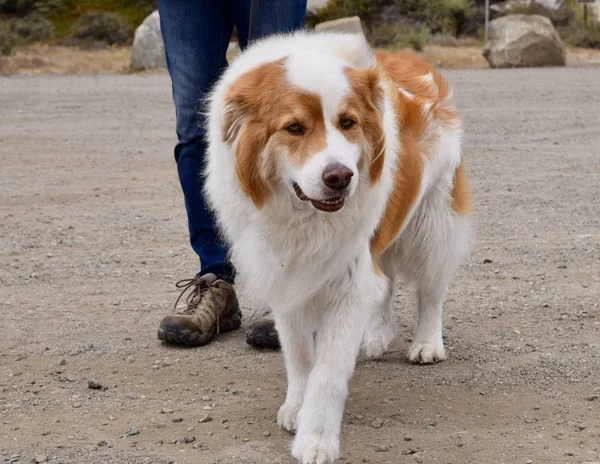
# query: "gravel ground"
93,236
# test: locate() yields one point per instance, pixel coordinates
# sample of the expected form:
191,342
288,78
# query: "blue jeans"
196,34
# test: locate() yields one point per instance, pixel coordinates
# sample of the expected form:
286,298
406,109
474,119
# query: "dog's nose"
337,176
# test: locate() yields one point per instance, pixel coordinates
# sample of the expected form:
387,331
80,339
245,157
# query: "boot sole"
260,337
173,335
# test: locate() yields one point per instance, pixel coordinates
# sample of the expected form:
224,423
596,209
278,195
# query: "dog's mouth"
329,205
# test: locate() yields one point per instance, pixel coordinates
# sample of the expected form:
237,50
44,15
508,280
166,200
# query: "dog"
332,170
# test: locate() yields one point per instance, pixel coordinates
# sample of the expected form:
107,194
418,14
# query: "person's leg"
271,17
196,34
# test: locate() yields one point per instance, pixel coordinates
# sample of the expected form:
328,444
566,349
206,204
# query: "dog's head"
308,125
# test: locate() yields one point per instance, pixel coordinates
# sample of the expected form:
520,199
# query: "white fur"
314,269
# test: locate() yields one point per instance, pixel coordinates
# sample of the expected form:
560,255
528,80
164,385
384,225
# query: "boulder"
517,41
351,25
148,50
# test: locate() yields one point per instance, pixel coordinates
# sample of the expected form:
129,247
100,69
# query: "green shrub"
582,37
368,10
560,17
8,39
32,28
107,28
439,16
39,7
399,35
386,20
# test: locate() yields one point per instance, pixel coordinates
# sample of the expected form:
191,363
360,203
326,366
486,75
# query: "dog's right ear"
234,116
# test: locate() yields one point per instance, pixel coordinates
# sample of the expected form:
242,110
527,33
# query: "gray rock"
40,458
517,41
350,25
148,51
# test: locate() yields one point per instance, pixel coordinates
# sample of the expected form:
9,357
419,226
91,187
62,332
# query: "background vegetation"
388,23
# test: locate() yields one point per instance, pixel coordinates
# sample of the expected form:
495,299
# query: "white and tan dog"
331,171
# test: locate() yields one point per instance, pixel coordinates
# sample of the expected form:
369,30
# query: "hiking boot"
211,308
262,334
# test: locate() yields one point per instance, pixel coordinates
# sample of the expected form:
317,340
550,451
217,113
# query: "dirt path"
93,237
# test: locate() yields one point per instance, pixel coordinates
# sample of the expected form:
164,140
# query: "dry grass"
51,59
454,57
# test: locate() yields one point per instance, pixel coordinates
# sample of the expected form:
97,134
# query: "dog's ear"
234,114
247,140
367,84
252,165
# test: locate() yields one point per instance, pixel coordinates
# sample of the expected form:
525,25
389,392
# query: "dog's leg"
338,341
434,246
427,345
296,337
381,328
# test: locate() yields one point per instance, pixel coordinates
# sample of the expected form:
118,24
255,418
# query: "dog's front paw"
377,339
286,417
426,352
311,448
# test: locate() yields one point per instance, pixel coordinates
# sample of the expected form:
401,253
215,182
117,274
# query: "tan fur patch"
419,78
362,105
421,95
461,193
258,107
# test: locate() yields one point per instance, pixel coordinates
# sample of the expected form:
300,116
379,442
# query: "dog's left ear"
367,84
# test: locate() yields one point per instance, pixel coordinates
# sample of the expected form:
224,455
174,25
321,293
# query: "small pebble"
62,362
40,458
166,411
205,398
381,449
94,384
133,430
376,424
205,419
267,434
177,419
188,440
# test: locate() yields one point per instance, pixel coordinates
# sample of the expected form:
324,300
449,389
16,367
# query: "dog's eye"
347,123
295,129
